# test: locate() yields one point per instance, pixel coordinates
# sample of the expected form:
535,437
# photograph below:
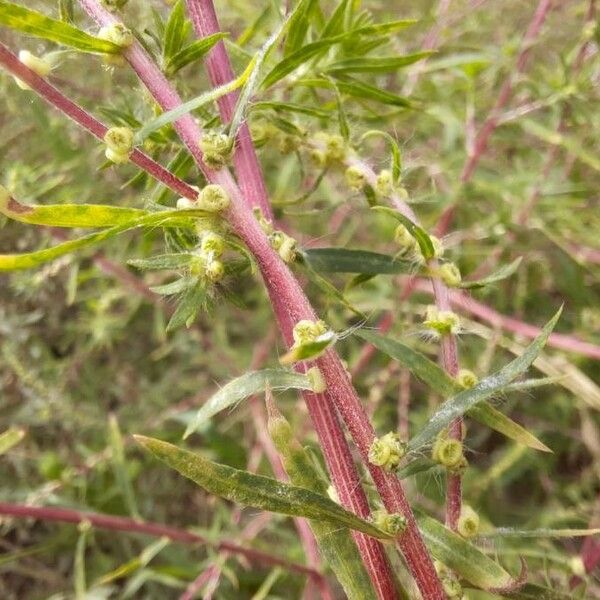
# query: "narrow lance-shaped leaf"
459,404
39,25
346,260
69,215
203,99
245,386
299,23
11,437
191,302
31,260
368,64
251,83
502,273
532,591
462,556
174,31
256,491
508,532
192,52
434,376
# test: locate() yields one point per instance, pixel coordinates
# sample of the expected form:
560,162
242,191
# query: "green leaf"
253,382
293,61
396,156
311,111
335,25
499,275
251,83
162,261
11,437
31,260
309,350
459,404
434,376
509,532
422,237
39,25
69,215
189,305
175,287
383,64
203,99
256,491
462,557
298,26
192,52
364,91
174,31
120,466
345,260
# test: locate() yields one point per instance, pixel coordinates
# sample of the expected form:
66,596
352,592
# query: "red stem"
247,167
116,523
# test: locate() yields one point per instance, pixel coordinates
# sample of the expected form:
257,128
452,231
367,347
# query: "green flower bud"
216,149
466,378
306,331
318,157
448,452
450,275
215,270
288,143
118,34
287,249
197,266
392,523
355,178
212,244
119,144
468,522
403,238
443,322
387,452
213,198
384,183
316,379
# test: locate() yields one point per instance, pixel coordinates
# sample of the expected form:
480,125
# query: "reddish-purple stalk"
334,445
116,523
279,281
247,168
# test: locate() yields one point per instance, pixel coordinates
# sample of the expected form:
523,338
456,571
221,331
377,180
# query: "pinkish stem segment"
248,170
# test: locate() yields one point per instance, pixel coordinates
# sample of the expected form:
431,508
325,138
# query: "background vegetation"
86,360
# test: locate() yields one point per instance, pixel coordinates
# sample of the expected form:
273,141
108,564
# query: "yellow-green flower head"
392,523
119,144
212,243
443,322
450,275
466,378
384,184
213,198
387,451
468,522
118,34
403,238
216,148
355,178
215,270
306,331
